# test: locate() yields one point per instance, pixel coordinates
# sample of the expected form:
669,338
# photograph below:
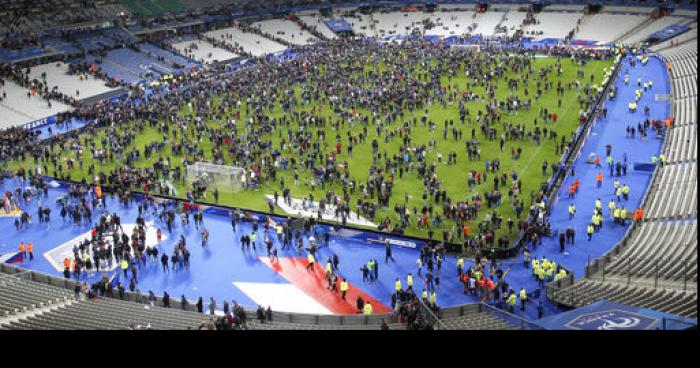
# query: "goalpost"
226,179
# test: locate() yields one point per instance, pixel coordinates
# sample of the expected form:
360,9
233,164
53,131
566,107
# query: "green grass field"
453,177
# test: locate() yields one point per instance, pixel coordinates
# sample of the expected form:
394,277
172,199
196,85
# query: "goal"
226,179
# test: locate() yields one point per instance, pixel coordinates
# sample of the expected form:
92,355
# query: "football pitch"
407,187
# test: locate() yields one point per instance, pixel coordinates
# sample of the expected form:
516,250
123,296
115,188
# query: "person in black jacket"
200,305
166,300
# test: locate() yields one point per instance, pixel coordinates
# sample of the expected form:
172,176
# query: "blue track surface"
214,269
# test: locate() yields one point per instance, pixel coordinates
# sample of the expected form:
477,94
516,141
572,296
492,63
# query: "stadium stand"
315,21
203,51
512,22
646,31
152,7
21,16
362,24
448,23
80,86
19,106
690,37
251,43
396,23
607,27
486,23
286,30
552,25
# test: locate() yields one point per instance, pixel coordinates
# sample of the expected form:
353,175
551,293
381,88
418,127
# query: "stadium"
336,165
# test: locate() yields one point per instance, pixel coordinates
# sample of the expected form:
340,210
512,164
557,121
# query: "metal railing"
649,271
510,318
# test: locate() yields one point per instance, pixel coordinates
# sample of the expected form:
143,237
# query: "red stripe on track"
315,285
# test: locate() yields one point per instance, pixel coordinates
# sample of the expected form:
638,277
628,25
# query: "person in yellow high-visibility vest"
623,216
589,231
511,302
572,211
433,298
598,204
625,192
367,310
409,281
125,266
424,295
397,285
310,258
344,287
611,206
616,215
523,298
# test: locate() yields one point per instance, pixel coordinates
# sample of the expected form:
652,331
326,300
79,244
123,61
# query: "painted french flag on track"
306,291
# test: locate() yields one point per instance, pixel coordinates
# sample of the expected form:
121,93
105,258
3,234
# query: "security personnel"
594,221
344,288
424,295
600,221
460,266
30,249
329,268
253,236
625,191
540,275
618,193
523,298
125,266
623,216
598,205
662,159
617,185
651,83
311,260
397,285
611,206
367,310
409,281
66,262
511,301
590,230
616,215
21,249
572,211
535,265
433,298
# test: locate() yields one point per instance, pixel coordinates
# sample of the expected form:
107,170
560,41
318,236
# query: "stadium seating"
397,23
57,75
690,36
486,23
286,30
450,23
584,292
21,16
646,31
152,7
18,109
362,24
552,25
676,193
315,21
607,27
19,295
250,42
512,22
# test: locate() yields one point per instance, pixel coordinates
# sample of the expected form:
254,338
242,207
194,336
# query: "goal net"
226,179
